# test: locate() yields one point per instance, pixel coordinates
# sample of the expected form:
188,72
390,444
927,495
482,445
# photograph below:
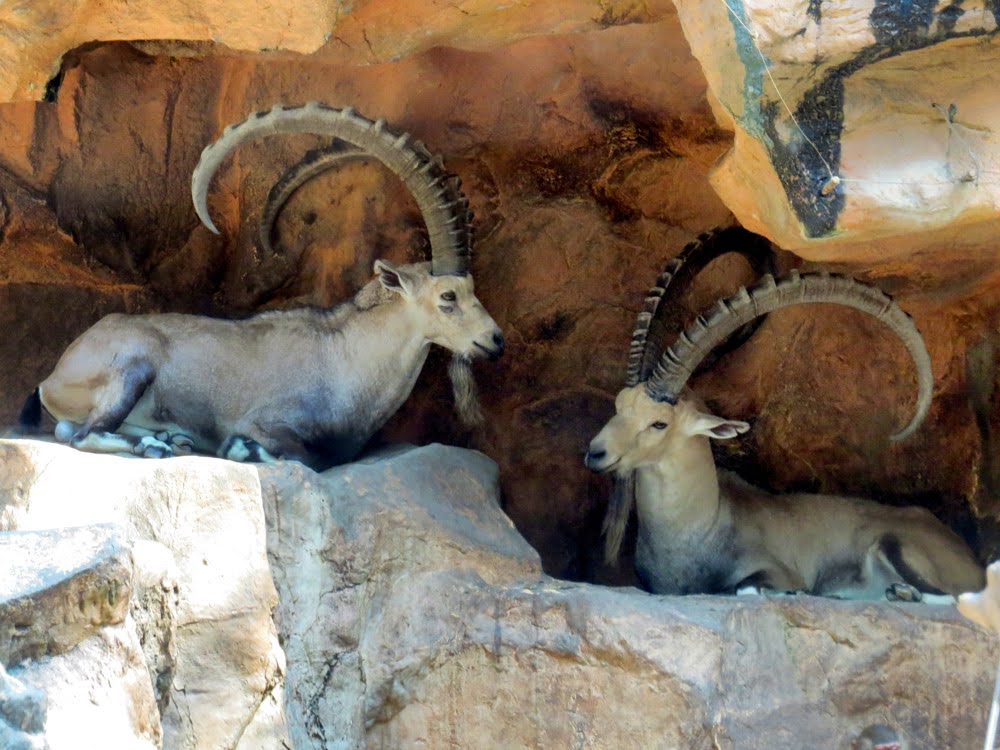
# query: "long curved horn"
708,330
678,275
438,194
652,328
313,164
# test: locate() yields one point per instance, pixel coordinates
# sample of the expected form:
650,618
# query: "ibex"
311,385
702,530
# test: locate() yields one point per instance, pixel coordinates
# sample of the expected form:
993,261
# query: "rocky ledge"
390,603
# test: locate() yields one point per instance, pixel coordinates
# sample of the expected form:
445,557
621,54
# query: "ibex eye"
659,425
448,296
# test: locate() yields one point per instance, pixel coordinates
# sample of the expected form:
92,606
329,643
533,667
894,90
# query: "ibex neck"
682,492
389,351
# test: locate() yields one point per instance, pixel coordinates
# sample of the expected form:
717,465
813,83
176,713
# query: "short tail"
31,412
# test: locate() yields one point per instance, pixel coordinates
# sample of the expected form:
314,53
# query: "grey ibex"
702,530
310,384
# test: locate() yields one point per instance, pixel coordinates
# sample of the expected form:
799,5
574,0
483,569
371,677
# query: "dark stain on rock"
626,128
557,326
805,166
612,16
815,10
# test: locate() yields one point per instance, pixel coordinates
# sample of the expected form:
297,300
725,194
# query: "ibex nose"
594,457
498,343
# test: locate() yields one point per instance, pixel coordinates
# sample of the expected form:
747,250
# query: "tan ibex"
310,384
702,530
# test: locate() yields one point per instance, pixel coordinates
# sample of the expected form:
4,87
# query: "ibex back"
311,385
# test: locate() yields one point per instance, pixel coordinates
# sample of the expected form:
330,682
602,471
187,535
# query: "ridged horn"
712,327
313,164
652,329
438,194
678,275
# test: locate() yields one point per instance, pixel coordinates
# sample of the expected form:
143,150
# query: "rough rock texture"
204,588
896,100
34,36
341,543
412,614
585,140
22,714
97,693
60,587
66,633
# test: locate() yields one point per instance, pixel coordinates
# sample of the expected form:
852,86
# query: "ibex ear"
715,427
392,278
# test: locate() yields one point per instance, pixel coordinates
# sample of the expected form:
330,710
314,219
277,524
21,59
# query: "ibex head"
652,414
445,308
644,431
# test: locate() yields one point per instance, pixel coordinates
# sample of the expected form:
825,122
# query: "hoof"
903,592
181,444
235,449
150,447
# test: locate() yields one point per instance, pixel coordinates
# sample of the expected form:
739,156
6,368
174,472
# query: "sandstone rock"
153,609
99,693
224,660
338,544
66,632
413,615
22,714
896,104
36,38
59,588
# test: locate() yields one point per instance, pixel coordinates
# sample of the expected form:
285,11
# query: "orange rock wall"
586,157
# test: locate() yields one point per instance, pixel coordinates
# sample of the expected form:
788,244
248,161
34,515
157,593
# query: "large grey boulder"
22,714
76,668
196,530
412,614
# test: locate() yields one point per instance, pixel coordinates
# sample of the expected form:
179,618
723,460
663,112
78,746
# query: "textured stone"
98,694
22,712
340,541
894,100
35,36
412,613
224,660
65,630
414,616
59,587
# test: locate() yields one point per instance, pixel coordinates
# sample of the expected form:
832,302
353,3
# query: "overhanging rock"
854,121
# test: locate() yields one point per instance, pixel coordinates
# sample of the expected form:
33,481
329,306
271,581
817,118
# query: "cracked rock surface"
411,613
414,615
201,639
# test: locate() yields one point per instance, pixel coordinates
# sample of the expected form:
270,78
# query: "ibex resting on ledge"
702,530
311,385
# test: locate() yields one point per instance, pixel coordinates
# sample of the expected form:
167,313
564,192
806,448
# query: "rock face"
202,588
66,633
860,122
412,614
586,143
22,714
